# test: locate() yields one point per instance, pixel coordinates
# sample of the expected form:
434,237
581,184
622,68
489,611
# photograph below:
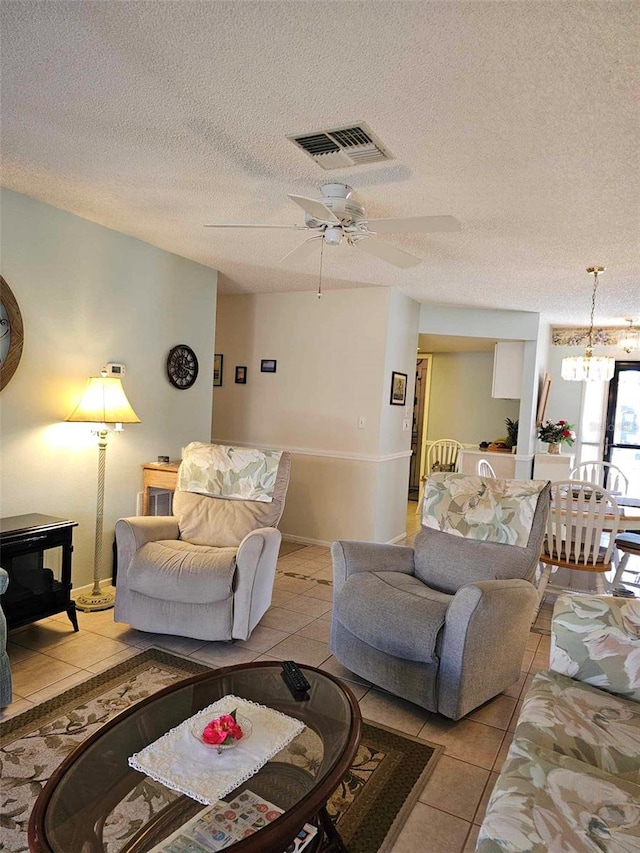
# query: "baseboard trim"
304,540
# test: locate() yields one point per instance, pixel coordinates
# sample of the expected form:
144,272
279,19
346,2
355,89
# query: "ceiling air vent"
343,147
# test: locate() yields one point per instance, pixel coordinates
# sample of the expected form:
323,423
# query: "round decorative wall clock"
182,367
11,333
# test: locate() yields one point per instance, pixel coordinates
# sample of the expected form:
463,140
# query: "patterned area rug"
369,808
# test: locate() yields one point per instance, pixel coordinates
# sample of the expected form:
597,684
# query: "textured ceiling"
518,118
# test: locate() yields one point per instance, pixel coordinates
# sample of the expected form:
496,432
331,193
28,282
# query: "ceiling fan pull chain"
320,280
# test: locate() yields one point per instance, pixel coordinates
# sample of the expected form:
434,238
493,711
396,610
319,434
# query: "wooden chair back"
580,513
444,453
595,471
484,469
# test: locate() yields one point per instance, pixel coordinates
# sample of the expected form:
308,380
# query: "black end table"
34,592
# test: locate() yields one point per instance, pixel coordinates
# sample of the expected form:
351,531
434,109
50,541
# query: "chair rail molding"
330,454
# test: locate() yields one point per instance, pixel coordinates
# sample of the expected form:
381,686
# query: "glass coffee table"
96,803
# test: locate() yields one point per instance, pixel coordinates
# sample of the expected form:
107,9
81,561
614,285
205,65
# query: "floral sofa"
571,781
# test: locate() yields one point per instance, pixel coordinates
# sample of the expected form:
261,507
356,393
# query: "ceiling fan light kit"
338,216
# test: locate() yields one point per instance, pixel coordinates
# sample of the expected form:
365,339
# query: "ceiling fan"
337,216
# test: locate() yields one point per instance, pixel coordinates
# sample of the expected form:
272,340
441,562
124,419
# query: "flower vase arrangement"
224,731
555,434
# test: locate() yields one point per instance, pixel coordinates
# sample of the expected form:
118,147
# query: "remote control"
295,680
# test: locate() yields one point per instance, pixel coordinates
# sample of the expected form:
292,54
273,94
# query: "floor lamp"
103,402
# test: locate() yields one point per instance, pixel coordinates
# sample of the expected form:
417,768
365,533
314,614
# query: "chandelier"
589,367
629,339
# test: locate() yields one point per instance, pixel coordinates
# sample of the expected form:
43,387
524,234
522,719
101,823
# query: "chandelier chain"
593,307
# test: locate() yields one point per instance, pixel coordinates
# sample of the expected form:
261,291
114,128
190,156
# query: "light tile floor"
48,657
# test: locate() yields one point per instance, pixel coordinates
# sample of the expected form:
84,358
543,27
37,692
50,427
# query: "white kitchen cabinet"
508,358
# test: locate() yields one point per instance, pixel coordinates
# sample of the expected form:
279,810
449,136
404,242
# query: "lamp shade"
104,402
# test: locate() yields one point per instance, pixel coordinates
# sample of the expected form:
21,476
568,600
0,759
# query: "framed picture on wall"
241,375
268,365
543,399
398,389
217,370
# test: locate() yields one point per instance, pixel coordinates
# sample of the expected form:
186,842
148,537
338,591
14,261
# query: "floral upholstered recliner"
571,781
207,571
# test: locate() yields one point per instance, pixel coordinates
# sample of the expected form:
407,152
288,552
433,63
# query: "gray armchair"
208,571
443,624
5,668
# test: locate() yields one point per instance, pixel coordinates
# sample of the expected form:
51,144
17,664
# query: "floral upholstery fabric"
491,510
545,802
243,473
596,639
573,719
571,781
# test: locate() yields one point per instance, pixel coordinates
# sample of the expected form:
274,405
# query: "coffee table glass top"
96,802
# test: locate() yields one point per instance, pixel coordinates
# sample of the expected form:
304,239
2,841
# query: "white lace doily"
183,764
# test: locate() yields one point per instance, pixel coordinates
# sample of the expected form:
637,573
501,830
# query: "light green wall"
461,405
89,295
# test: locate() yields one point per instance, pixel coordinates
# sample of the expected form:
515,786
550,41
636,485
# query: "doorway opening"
622,431
420,421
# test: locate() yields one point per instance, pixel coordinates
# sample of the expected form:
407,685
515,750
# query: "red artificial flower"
561,423
217,731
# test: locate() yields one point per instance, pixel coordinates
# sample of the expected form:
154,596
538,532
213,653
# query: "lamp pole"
96,599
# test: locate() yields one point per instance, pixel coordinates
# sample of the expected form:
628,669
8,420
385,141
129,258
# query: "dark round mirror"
11,333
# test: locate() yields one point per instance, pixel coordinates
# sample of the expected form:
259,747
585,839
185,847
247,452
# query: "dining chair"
629,545
484,469
581,513
442,455
596,471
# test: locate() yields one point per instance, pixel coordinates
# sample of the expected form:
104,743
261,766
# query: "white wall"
395,441
461,405
334,361
89,295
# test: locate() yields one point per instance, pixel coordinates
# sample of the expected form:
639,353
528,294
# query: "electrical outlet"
362,422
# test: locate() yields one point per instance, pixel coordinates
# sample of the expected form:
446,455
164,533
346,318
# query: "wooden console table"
158,475
34,592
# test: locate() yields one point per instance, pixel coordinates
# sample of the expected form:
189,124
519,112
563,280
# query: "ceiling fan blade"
314,208
253,225
417,224
387,253
302,252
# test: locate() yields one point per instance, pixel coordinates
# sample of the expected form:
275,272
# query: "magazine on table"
224,823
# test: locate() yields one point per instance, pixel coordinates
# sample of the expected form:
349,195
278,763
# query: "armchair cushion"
448,562
172,570
487,509
568,717
393,612
596,639
224,522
